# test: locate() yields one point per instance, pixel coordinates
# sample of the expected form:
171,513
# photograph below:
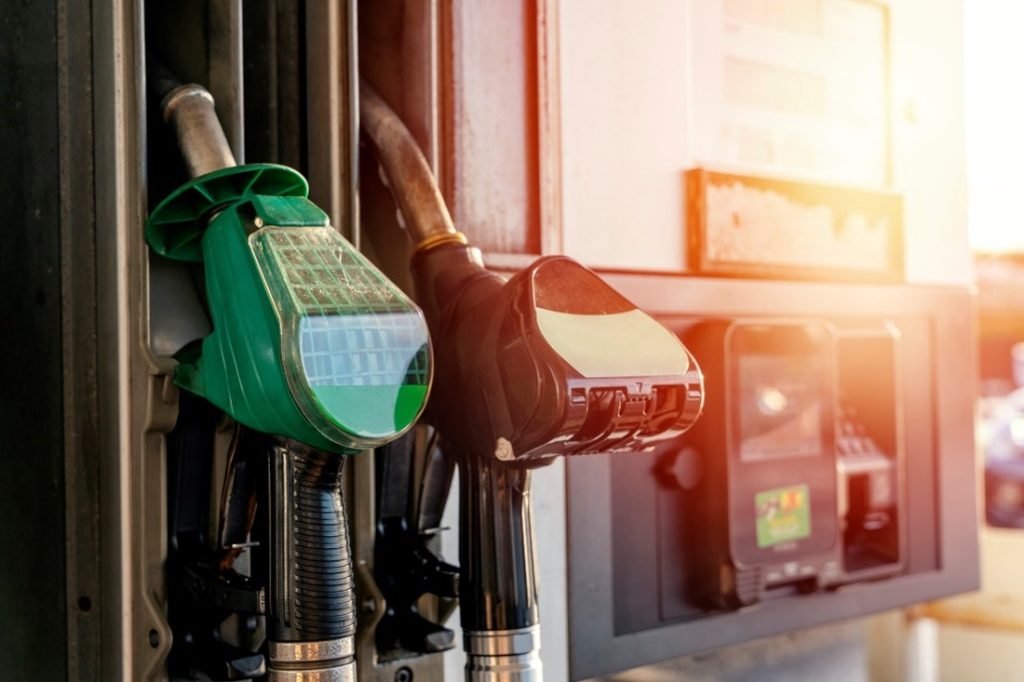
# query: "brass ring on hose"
440,238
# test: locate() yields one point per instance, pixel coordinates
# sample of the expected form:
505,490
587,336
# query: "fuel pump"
551,362
316,355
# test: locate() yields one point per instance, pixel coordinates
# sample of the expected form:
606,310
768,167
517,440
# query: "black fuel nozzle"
550,362
553,361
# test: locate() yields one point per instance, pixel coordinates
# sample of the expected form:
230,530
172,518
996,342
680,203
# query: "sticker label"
783,515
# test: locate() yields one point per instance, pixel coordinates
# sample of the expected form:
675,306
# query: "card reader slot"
869,462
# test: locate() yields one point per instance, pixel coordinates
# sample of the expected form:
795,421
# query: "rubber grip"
310,586
498,563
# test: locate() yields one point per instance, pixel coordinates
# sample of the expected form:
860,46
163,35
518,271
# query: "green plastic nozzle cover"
310,341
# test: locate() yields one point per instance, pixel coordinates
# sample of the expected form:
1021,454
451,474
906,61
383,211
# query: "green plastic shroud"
310,341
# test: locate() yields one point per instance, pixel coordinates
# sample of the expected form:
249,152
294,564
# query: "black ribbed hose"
310,596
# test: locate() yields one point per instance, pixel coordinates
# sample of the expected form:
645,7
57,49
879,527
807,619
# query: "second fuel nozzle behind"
552,362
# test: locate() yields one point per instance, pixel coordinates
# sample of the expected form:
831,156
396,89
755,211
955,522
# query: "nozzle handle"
189,109
311,617
496,546
498,563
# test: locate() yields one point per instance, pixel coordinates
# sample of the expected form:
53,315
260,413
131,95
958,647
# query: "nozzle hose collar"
439,239
504,656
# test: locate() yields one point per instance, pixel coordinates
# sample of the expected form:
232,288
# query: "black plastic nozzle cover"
498,379
503,398
502,389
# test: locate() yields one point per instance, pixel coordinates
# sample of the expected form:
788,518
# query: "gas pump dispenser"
542,365
316,355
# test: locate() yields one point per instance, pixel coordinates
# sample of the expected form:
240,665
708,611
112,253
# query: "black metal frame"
33,78
595,647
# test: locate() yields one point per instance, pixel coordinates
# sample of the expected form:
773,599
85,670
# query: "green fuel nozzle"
310,340
312,345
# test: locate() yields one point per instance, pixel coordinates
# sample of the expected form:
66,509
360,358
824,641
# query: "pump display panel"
807,491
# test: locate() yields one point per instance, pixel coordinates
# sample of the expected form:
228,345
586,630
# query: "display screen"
781,403
794,88
783,515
